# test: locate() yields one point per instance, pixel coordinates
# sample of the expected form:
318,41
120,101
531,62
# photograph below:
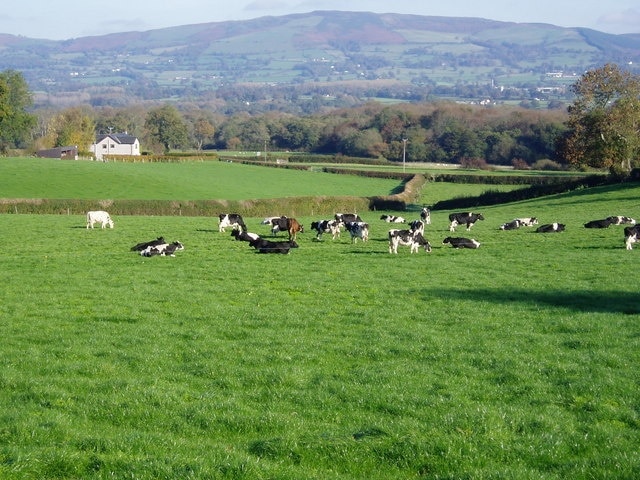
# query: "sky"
66,19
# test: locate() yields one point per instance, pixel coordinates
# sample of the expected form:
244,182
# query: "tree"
72,126
166,126
604,120
203,131
16,124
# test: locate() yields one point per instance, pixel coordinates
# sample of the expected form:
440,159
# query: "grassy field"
517,360
46,178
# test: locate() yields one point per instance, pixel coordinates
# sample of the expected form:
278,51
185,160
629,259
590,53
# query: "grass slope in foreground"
516,360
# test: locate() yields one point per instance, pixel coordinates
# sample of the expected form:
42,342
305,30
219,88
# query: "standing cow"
464,218
233,220
425,215
99,216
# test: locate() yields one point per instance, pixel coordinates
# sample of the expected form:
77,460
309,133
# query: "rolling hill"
393,55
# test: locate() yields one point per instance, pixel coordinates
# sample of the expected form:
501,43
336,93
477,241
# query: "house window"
113,145
104,145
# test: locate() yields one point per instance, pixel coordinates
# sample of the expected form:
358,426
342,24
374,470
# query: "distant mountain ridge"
321,47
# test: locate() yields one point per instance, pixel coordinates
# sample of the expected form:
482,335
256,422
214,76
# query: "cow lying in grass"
267,246
461,242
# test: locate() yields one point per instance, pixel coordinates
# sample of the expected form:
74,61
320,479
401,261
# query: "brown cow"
294,228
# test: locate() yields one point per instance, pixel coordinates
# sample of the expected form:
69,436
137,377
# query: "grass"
46,178
517,360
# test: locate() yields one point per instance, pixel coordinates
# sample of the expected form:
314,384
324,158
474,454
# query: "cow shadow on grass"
627,303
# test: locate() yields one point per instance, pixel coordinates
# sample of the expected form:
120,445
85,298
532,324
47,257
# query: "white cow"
99,216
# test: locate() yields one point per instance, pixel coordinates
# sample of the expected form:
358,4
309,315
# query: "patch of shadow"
627,303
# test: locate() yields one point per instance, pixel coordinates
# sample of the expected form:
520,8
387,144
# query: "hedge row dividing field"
518,360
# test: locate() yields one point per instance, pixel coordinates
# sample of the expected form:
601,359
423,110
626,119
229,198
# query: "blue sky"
64,19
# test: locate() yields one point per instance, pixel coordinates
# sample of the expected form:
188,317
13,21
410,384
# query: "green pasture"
518,360
46,178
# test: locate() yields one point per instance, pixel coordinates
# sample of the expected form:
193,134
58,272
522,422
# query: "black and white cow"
345,218
463,218
357,230
414,240
461,242
164,250
512,225
152,243
519,222
244,236
527,221
631,236
417,226
279,224
99,216
326,226
604,223
620,220
551,228
392,219
267,246
233,220
425,215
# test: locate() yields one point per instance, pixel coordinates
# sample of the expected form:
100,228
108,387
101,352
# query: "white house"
115,144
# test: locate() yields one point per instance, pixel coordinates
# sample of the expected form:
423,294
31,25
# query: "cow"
357,230
464,218
461,242
326,226
99,216
619,220
425,215
414,240
164,250
142,245
244,236
233,220
293,228
268,220
279,224
392,219
512,225
550,228
417,226
527,221
604,223
345,218
631,235
267,246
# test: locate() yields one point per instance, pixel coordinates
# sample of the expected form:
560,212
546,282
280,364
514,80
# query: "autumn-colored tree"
72,126
603,128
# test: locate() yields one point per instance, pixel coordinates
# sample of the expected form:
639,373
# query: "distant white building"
115,144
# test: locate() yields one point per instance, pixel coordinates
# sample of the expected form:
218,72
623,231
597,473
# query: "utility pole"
404,154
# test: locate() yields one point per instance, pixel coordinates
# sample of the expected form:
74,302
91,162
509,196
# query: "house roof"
121,138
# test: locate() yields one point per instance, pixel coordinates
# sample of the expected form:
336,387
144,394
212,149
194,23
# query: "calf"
141,246
244,236
164,250
425,215
293,228
414,240
464,218
267,246
631,236
99,216
461,242
604,223
326,226
357,230
233,220
392,219
550,228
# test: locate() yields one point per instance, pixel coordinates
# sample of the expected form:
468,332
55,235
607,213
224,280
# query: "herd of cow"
412,237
